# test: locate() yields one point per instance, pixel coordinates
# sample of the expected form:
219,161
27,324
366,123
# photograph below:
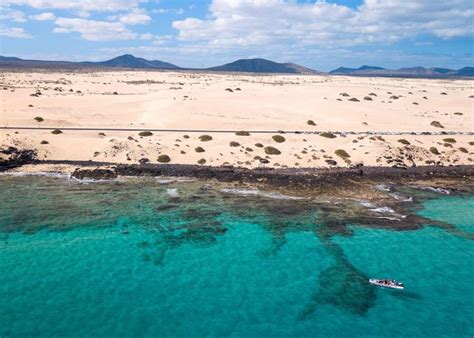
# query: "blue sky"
319,34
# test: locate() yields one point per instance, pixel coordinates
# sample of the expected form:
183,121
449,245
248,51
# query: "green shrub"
199,149
278,138
259,145
434,150
145,133
327,134
463,150
403,141
354,99
39,119
164,159
311,123
342,153
201,161
234,144
205,138
56,132
242,133
272,151
44,142
436,124
368,98
449,140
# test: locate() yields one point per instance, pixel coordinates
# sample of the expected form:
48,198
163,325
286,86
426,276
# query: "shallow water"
127,258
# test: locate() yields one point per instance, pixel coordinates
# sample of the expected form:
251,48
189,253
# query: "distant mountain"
466,71
124,61
130,61
344,70
242,65
419,71
262,66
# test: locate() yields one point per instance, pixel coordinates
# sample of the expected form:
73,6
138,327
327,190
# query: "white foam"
245,192
402,198
383,210
254,192
37,173
439,190
173,193
382,187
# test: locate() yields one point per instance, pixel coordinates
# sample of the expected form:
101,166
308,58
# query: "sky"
322,35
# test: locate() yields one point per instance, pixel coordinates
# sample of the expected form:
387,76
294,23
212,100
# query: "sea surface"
183,258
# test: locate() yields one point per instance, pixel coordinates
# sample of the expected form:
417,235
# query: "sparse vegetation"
205,138
272,151
434,150
449,140
368,98
463,150
353,99
44,142
201,161
403,141
234,144
372,94
342,153
327,134
311,123
186,136
436,124
145,133
259,145
242,133
444,93
199,150
278,138
229,90
344,94
164,159
39,119
56,132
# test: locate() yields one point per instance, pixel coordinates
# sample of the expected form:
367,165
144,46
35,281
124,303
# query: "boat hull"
388,286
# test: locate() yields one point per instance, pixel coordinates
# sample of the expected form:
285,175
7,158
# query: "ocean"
154,257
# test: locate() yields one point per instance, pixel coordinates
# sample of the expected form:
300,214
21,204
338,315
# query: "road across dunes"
342,133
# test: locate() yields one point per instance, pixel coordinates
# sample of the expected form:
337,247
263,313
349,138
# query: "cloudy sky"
195,33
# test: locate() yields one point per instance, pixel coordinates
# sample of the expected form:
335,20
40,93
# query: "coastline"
278,177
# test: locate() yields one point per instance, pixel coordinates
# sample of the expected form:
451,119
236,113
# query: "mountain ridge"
255,65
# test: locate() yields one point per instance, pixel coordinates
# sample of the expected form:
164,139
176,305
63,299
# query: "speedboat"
387,283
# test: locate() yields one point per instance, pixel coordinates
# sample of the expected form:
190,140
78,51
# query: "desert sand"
375,121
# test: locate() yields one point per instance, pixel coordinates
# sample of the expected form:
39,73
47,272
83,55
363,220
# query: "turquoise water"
124,259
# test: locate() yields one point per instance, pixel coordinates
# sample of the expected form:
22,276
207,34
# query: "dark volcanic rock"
96,174
16,157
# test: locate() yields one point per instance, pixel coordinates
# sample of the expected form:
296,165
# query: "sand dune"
183,100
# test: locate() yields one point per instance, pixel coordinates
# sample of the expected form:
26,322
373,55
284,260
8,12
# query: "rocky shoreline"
294,177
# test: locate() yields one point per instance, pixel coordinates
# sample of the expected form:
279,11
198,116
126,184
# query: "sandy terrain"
178,100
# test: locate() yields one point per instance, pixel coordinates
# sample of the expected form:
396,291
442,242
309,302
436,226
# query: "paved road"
250,131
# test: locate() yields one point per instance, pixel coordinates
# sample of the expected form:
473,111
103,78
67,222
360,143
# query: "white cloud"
12,15
79,5
47,16
94,30
286,23
14,32
135,17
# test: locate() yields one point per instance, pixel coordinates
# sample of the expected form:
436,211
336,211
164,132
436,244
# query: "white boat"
387,283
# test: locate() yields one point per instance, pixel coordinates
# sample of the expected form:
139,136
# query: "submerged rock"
95,174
